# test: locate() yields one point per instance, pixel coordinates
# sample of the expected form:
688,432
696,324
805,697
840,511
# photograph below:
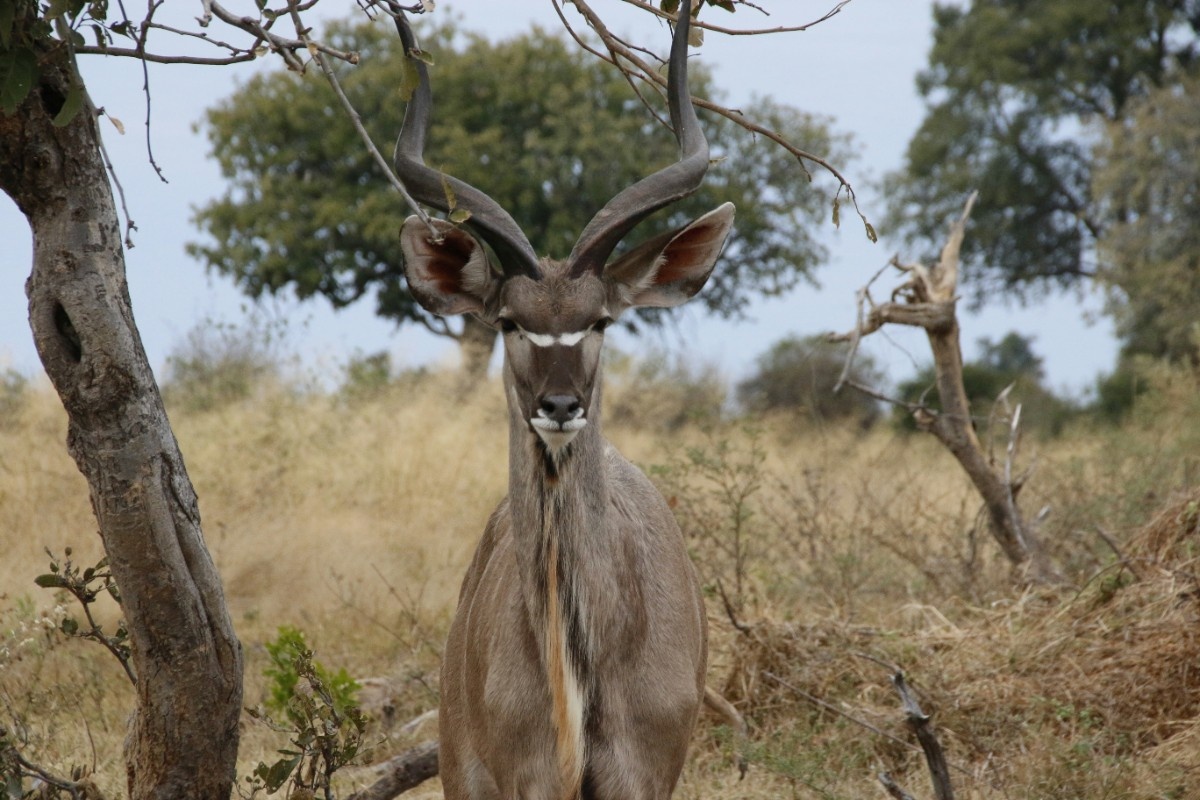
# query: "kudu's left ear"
671,267
452,276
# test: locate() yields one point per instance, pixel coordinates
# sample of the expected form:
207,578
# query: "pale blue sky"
857,68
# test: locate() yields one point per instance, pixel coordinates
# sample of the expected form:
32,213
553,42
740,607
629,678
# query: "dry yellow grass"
353,520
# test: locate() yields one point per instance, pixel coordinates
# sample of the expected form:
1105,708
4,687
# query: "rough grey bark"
183,739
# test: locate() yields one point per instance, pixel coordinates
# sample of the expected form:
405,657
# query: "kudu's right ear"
452,276
670,268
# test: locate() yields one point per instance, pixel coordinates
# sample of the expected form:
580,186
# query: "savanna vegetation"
833,553
342,520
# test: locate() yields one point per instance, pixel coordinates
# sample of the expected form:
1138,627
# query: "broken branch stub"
927,299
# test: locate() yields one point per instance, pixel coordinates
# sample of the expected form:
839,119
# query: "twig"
870,392
730,612
837,9
834,709
1112,545
141,48
352,113
893,788
918,721
861,298
650,75
741,732
1010,455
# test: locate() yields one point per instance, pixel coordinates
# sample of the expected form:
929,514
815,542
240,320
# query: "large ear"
668,269
452,276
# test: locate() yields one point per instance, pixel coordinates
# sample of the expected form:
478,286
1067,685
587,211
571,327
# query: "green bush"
219,363
365,376
13,388
287,652
1008,362
799,375
661,392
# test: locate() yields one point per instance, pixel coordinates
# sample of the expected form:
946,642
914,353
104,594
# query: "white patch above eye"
549,339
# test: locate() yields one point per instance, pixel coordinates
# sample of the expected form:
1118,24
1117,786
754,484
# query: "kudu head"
553,312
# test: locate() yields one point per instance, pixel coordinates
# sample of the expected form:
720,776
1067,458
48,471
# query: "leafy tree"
798,374
1148,174
547,131
1017,92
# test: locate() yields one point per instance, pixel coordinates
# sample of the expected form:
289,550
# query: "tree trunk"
953,428
477,341
183,739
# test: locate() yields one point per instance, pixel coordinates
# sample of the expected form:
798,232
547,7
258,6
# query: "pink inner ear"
685,252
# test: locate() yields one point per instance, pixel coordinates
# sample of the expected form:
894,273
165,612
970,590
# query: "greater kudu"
575,664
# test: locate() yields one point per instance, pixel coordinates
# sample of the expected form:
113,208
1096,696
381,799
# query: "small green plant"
713,489
220,363
798,375
322,709
367,375
13,388
86,584
20,777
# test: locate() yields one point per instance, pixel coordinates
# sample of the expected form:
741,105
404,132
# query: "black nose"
560,407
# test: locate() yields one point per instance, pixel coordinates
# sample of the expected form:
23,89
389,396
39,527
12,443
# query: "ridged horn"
488,220
635,203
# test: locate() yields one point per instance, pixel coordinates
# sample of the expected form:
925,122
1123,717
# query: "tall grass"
825,552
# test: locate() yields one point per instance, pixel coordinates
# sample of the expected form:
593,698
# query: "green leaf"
69,626
421,55
459,215
18,71
725,4
448,190
70,108
275,775
410,79
49,581
669,6
8,12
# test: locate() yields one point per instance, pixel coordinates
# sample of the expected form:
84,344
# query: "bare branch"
718,704
835,710
126,52
645,72
944,278
893,788
318,54
918,720
625,73
833,12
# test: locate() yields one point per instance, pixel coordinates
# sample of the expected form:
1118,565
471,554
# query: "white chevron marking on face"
549,340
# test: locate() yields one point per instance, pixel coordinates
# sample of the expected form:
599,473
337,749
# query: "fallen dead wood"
403,772
919,722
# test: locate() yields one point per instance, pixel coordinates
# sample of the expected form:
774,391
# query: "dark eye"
601,324
507,325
